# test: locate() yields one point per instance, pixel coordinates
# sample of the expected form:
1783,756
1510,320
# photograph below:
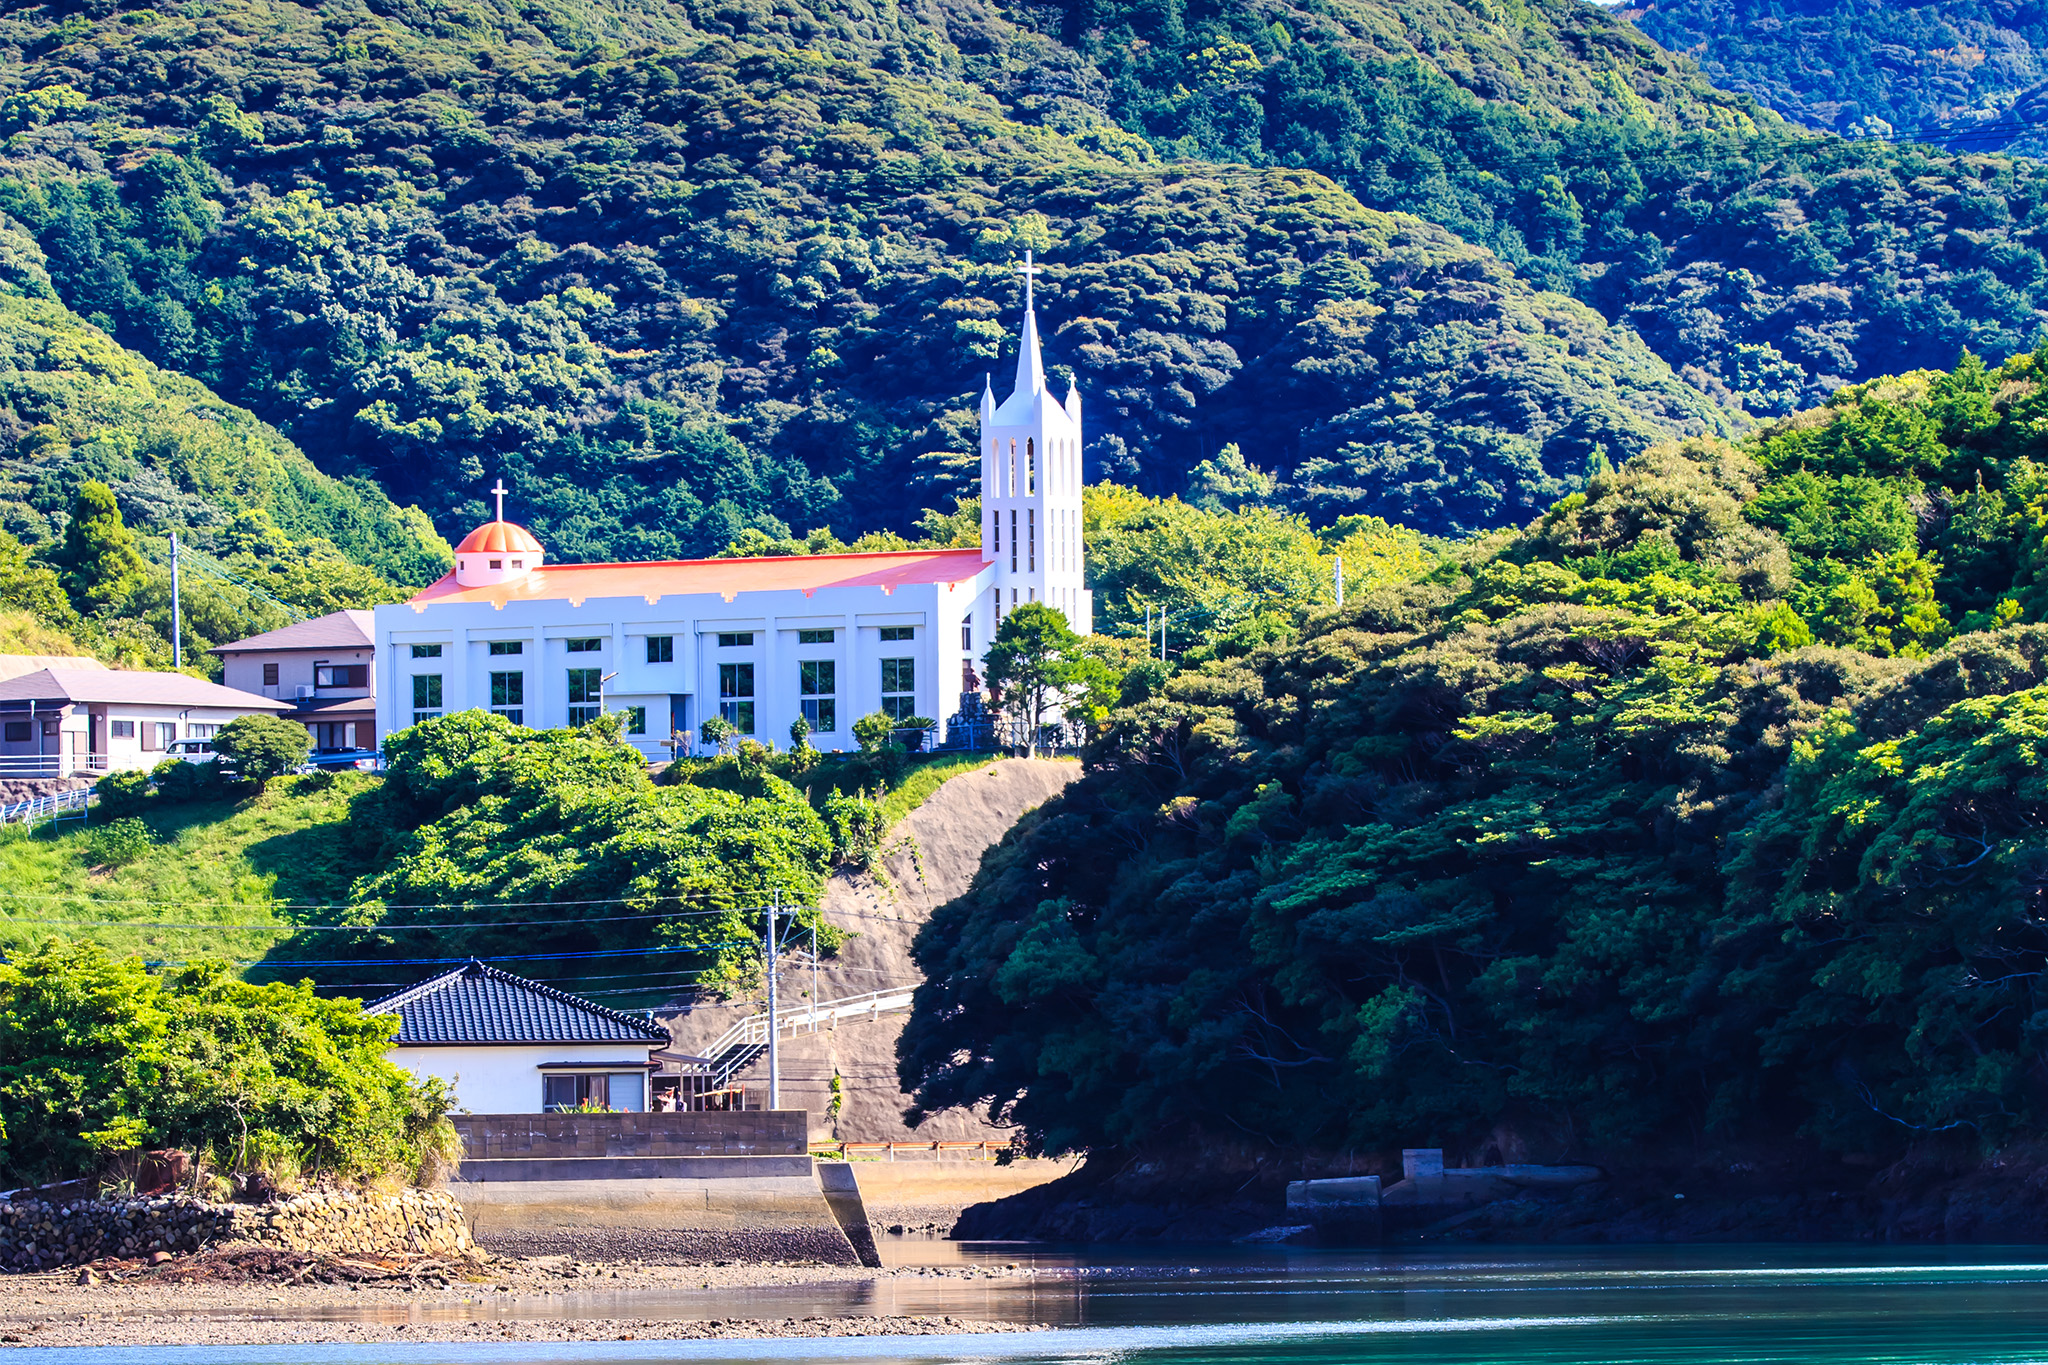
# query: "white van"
192,750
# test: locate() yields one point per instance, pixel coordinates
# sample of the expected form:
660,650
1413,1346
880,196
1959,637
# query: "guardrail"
40,807
752,1031
51,765
894,1151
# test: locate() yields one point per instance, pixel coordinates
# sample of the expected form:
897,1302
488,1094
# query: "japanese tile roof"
478,1003
131,687
655,579
350,629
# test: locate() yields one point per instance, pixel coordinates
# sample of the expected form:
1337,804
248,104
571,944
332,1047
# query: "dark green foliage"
1960,69
99,1056
1034,662
98,562
1576,838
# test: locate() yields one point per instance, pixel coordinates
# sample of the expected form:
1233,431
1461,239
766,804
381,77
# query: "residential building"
55,722
325,667
760,643
506,1045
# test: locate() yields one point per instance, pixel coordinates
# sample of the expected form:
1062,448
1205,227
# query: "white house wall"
507,1080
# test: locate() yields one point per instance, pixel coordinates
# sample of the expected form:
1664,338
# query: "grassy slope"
215,863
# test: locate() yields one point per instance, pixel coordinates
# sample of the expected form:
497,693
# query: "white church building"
831,638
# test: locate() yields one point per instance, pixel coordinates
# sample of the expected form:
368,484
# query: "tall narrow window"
1031,520
736,696
508,696
967,631
1013,540
426,696
899,688
998,520
586,688
1013,469
1030,466
817,689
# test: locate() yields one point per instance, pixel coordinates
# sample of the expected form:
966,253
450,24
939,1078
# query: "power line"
288,928
329,905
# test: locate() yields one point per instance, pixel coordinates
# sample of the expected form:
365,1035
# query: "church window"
967,631
426,651
518,563
1031,520
817,686
735,639
999,532
636,720
508,647
586,646
661,649
1013,540
899,688
816,637
586,693
1030,467
736,695
899,632
497,563
426,693
1013,469
508,696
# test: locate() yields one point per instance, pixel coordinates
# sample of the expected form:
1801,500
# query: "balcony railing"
51,765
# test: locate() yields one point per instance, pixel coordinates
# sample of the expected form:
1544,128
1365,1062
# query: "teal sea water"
1716,1305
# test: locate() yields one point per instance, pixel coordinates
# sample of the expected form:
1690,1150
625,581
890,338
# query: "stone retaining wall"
35,1235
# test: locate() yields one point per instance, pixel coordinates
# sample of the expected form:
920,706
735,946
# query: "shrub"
123,793
872,731
177,780
117,844
856,825
262,747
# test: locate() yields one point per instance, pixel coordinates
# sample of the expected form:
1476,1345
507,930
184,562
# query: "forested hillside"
1706,805
1963,70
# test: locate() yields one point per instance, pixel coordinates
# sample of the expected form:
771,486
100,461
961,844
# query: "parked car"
192,750
365,760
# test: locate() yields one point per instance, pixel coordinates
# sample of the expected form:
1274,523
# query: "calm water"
1611,1306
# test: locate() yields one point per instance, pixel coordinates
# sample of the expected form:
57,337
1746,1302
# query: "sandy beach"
499,1299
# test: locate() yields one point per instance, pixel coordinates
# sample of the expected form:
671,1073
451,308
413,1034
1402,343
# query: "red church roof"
660,578
496,537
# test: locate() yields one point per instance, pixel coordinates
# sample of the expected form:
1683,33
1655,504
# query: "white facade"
511,1078
761,642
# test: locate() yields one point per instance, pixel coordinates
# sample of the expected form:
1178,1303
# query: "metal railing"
41,807
51,765
752,1031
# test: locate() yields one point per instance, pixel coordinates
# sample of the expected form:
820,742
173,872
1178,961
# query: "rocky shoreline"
252,1295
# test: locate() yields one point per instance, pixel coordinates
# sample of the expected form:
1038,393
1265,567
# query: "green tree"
1036,660
262,747
98,561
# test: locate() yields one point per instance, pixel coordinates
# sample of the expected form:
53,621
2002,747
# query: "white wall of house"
452,643
106,736
507,1079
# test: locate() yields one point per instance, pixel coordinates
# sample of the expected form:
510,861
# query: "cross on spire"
498,491
1027,270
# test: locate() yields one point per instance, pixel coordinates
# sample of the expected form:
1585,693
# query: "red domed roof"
498,537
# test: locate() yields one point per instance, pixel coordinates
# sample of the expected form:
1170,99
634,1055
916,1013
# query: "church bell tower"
1031,487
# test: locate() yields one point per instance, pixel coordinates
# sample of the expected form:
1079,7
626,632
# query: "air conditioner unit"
303,691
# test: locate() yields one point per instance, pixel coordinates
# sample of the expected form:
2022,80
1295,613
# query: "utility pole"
1162,635
1339,571
774,1024
177,626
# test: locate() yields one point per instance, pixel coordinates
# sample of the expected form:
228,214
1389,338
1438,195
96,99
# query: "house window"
817,689
18,731
899,632
736,696
159,734
508,646
899,688
618,1091
741,639
201,731
586,687
586,646
124,729
426,651
816,637
339,675
270,675
661,649
967,632
508,696
636,720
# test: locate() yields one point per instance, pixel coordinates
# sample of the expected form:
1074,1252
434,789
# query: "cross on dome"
498,491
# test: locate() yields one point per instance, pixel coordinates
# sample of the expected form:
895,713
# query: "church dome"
494,537
496,552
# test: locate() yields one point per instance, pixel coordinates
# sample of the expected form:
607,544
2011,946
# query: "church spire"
1030,364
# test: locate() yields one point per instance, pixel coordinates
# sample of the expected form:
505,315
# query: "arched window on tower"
1013,468
1030,467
